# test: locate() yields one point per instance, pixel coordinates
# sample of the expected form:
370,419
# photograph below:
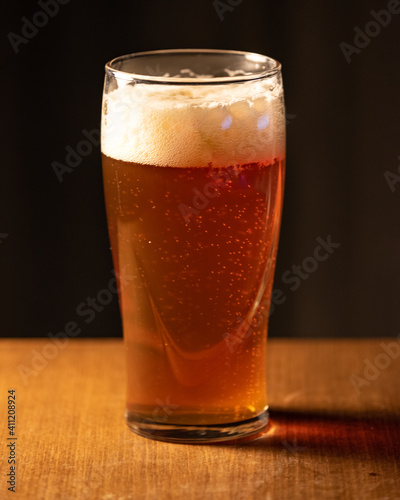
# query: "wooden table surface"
335,410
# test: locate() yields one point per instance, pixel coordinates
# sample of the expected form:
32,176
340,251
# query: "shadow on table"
375,434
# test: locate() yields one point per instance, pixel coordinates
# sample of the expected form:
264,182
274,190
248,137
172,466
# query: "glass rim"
173,80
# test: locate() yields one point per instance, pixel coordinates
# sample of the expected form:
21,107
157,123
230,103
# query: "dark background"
343,135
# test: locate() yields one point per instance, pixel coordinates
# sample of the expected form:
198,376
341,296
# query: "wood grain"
328,439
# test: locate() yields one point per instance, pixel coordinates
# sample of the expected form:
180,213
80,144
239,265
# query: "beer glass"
193,152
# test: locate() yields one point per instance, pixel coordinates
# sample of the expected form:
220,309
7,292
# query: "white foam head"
195,126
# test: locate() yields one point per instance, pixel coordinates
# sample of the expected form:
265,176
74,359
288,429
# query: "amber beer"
193,187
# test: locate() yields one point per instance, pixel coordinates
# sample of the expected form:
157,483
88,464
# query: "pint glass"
193,151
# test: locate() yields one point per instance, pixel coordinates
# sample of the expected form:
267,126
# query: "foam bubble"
195,126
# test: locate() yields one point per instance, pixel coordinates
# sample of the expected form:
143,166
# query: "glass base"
191,434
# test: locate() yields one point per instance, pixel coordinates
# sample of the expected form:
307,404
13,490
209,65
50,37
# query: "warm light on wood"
335,411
